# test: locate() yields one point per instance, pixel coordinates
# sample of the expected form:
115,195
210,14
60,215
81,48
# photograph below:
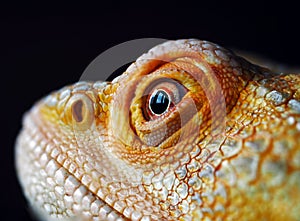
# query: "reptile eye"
159,102
162,98
81,111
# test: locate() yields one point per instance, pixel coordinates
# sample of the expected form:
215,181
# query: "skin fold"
225,148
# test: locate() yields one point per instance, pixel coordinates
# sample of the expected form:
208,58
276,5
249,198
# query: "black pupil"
159,102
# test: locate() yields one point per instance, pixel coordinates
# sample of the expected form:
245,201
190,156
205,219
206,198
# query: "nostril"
77,110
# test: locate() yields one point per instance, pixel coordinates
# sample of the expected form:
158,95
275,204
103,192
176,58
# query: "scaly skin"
227,150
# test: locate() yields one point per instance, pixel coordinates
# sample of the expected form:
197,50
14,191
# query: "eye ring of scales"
228,150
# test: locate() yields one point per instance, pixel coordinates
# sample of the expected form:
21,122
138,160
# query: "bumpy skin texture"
227,150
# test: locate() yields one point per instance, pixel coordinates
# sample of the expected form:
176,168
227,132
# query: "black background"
43,52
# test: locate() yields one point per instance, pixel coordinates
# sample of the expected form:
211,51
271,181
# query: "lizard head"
150,144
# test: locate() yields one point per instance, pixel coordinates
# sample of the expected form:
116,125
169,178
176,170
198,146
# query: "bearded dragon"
190,131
